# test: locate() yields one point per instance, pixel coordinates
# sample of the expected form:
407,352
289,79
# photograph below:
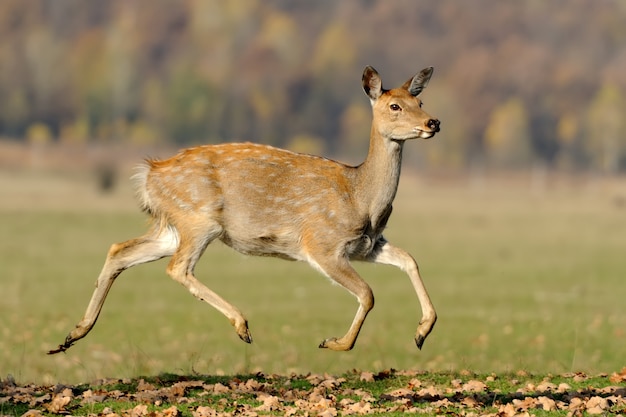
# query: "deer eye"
394,107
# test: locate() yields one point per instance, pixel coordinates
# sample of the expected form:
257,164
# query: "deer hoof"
245,336
419,341
61,348
324,344
242,330
333,344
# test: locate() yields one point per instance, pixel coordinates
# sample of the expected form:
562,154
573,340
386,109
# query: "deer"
265,201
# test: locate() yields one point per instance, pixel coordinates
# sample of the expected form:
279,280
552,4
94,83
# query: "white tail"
261,200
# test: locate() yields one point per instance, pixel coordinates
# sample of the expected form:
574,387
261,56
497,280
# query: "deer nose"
433,124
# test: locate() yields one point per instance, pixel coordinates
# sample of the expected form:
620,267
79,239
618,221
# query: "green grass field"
522,280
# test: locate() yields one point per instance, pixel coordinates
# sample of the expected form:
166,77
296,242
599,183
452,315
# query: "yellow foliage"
335,49
38,134
141,133
261,103
355,125
280,33
567,128
506,138
77,132
307,144
605,140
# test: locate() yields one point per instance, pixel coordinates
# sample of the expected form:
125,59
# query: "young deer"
261,200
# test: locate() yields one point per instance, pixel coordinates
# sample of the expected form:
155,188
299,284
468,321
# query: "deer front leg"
343,274
388,254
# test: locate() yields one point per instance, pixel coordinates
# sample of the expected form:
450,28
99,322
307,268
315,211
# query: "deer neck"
378,176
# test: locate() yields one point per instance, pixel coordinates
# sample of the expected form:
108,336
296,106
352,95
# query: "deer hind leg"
121,256
181,269
388,254
341,272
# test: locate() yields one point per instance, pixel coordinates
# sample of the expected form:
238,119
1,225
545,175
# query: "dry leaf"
324,404
332,383
367,377
595,410
58,403
525,404
115,394
357,408
250,385
32,413
469,402
576,404
220,388
290,411
138,411
547,404
315,379
270,403
546,386
597,402
170,412
474,386
89,397
177,390
39,400
563,387
203,411
402,395
430,393
315,396
329,412
507,410
364,395
145,386
618,377
346,402
415,383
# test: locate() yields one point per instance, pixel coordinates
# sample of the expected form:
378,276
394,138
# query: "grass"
521,280
387,393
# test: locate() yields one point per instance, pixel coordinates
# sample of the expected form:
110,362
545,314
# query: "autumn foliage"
516,83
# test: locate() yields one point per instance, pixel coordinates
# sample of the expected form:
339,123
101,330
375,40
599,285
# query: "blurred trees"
507,136
606,129
516,84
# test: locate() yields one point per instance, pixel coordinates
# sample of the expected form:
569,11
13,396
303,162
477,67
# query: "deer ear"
372,84
416,84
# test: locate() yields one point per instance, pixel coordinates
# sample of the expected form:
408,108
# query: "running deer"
261,200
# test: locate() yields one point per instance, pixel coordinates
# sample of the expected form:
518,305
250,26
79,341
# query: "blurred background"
517,85
516,210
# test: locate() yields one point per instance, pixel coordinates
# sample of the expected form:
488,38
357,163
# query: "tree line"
515,84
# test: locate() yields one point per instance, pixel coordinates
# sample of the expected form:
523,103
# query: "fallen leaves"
618,377
357,393
59,401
